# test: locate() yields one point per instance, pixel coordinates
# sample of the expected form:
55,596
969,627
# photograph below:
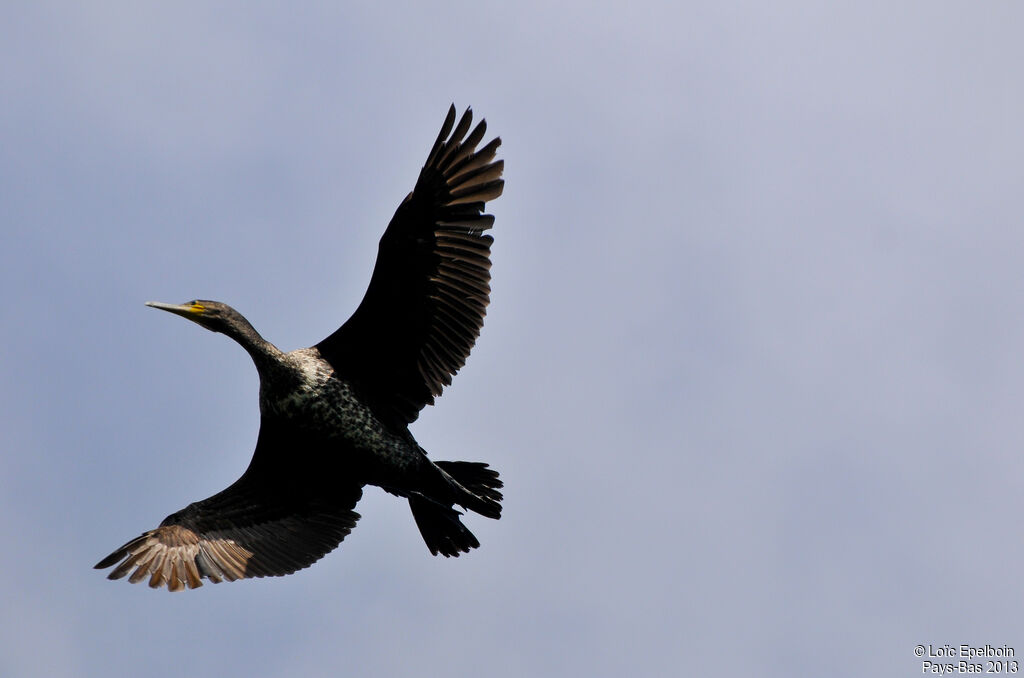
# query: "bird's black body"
334,417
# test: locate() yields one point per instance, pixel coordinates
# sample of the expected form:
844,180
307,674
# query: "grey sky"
752,371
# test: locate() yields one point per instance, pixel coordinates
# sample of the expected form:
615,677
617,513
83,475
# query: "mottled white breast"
307,393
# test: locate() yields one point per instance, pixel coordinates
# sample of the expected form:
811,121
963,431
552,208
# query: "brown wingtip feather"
478,192
114,557
179,556
165,555
446,129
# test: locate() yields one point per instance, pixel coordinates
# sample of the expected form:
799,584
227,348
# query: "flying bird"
334,417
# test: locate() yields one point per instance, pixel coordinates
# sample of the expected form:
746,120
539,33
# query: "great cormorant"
334,417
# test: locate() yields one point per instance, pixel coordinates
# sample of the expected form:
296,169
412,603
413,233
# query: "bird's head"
213,315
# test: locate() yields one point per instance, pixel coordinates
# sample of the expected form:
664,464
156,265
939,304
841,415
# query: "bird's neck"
264,354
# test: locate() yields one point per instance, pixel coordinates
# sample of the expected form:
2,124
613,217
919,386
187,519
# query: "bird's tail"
476,487
482,483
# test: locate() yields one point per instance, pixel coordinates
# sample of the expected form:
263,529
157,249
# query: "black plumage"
334,417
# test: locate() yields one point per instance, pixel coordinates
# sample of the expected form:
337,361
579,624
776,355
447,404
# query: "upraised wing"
282,515
430,287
